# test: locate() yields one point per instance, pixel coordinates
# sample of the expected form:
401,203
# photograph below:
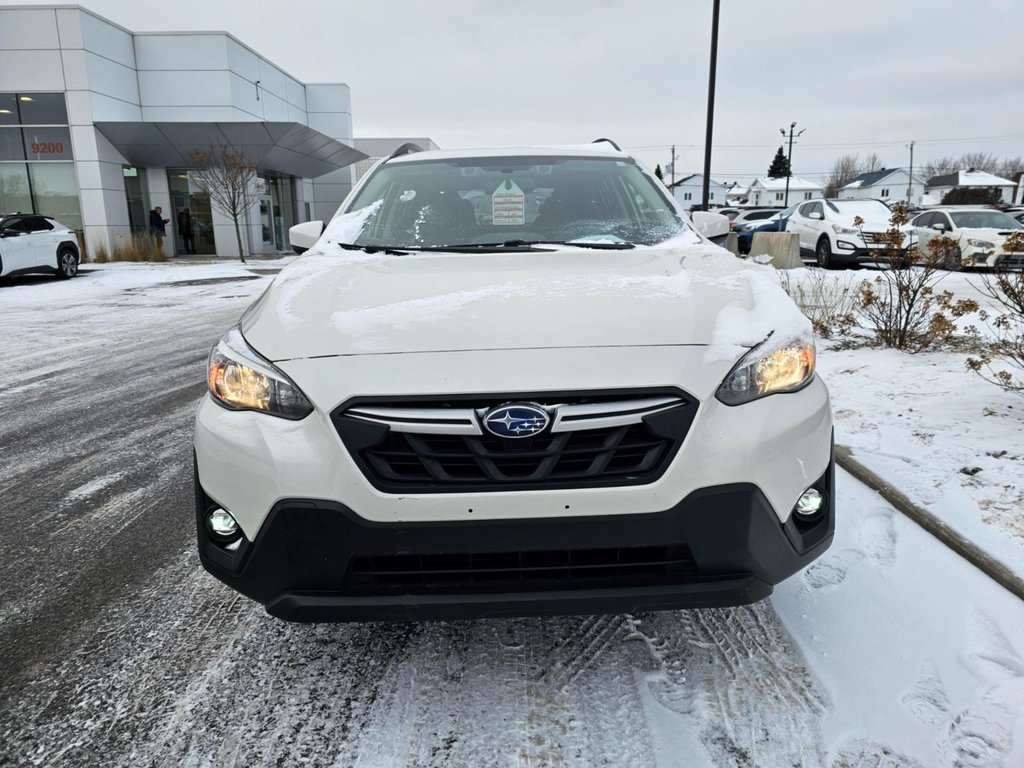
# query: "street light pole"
789,160
711,104
910,181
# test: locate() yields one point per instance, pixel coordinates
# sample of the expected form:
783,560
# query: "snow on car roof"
601,149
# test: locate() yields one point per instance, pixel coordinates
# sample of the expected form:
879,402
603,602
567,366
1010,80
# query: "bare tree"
939,167
226,174
846,168
979,161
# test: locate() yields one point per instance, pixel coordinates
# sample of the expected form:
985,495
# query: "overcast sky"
858,75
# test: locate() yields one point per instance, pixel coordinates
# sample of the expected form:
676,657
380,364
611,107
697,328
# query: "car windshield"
490,201
985,220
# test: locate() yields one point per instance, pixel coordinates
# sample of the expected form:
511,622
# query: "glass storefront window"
14,189
8,109
42,109
55,190
50,143
12,147
138,199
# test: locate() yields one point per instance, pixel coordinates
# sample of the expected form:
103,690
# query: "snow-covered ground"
116,648
949,440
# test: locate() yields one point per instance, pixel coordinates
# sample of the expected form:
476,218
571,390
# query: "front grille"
440,447
520,571
1011,260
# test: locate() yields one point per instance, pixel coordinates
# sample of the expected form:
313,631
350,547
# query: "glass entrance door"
191,216
267,221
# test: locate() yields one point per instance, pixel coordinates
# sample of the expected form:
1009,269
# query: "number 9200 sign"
47,148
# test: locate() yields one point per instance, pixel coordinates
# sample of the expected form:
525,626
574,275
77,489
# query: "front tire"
823,253
67,264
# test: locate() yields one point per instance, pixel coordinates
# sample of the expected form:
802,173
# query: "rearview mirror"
302,237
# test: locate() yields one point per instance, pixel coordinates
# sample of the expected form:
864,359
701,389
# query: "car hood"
351,303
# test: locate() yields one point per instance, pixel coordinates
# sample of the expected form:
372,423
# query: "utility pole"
789,160
910,183
672,165
711,104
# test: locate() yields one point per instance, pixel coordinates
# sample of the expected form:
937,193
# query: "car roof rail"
607,141
406,149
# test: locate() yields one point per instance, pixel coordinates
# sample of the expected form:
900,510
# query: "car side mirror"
940,227
303,236
9,232
815,215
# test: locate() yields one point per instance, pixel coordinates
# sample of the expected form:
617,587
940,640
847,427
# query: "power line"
837,145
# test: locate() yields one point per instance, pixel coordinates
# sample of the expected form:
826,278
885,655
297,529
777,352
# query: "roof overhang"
291,148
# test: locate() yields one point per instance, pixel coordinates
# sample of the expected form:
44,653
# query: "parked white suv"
830,236
511,382
980,234
32,243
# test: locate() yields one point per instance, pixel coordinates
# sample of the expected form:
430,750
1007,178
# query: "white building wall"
330,112
109,73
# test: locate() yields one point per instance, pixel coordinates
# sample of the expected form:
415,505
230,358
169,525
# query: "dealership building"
97,123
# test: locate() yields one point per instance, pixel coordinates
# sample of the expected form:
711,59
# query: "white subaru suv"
512,382
33,243
831,232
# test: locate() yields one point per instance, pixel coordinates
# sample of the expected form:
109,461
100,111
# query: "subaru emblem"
516,420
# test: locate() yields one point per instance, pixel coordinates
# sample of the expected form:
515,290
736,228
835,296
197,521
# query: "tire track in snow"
741,683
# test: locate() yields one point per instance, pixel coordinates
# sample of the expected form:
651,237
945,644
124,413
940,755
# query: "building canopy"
290,148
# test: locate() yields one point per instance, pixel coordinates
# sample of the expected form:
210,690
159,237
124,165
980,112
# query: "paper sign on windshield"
508,204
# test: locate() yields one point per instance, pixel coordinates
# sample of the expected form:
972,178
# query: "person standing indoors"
188,241
158,226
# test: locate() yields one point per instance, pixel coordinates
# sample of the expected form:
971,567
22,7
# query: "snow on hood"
339,302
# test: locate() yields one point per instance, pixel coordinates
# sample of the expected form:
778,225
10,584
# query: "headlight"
768,369
844,230
981,244
241,380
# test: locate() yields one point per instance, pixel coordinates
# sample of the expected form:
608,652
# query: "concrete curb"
971,552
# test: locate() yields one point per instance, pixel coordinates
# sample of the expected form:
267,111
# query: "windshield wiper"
531,244
385,249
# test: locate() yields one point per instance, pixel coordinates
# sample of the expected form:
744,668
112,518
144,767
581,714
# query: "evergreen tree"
779,169
658,173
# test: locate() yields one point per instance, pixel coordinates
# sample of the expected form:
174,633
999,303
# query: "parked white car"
512,382
830,236
980,234
32,243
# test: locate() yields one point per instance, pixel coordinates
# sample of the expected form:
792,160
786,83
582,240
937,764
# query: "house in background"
737,194
771,193
886,184
689,191
938,186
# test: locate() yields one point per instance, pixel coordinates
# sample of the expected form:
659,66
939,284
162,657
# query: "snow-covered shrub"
1002,362
901,305
830,304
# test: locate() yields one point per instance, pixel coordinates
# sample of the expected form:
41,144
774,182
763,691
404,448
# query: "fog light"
222,524
810,503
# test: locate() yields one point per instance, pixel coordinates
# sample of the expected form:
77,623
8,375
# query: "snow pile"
344,228
766,309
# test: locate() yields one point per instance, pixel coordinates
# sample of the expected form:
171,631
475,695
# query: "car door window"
37,224
942,218
805,209
18,225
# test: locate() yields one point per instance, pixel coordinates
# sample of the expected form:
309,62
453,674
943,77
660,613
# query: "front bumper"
317,560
